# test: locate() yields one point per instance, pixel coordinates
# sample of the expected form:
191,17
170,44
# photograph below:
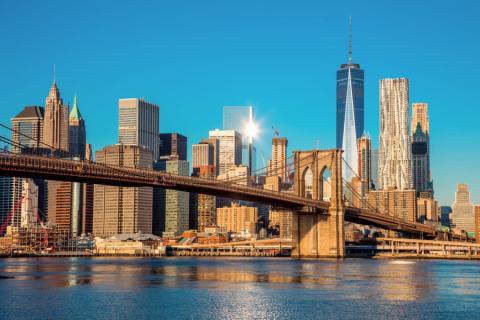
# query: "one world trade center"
350,112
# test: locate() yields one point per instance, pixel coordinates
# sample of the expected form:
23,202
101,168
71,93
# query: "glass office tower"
238,118
350,112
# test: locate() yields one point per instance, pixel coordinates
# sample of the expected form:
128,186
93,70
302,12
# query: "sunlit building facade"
138,124
394,163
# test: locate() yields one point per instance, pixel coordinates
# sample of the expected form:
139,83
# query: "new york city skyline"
284,68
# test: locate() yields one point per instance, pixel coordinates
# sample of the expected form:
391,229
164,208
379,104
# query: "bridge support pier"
317,235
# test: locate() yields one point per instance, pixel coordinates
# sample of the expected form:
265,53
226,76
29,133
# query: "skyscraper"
176,202
230,149
394,163
420,131
420,160
420,116
173,145
463,210
55,123
120,210
350,111
27,128
77,132
138,124
241,119
202,155
278,164
27,134
365,163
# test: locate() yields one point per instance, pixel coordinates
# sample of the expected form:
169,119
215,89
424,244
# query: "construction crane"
275,131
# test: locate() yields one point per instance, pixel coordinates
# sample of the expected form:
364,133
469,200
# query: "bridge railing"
147,176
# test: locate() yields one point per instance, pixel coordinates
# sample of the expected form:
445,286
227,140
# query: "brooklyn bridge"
318,225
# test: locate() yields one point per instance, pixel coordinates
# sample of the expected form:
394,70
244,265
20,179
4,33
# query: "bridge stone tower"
319,233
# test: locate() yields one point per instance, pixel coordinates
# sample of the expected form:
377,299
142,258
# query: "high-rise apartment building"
27,134
55,123
278,164
395,151
202,155
206,209
77,132
463,210
396,203
230,148
420,132
138,124
238,218
350,111
364,146
120,210
173,145
241,119
176,202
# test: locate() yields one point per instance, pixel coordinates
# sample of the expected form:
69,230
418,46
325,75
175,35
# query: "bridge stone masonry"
318,225
318,233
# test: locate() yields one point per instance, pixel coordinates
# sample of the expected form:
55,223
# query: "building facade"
420,132
396,203
55,123
395,151
77,132
463,210
206,211
364,146
230,149
27,136
202,155
173,145
278,164
238,218
477,223
241,119
176,202
138,124
120,210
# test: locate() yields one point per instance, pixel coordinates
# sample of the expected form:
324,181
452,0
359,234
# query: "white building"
394,163
138,124
463,211
230,148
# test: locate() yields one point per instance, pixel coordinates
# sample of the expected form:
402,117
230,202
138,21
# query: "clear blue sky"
193,57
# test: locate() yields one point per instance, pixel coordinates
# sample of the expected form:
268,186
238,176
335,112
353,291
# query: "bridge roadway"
41,167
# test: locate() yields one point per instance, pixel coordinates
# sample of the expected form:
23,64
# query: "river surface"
238,288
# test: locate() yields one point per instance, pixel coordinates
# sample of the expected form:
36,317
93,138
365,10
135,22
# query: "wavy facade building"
394,163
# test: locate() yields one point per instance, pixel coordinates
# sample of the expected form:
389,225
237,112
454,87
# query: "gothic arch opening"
325,184
307,183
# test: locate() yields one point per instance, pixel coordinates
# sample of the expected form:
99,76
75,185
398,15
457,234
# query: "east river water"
238,288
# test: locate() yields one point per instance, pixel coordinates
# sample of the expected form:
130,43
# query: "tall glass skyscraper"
239,118
350,112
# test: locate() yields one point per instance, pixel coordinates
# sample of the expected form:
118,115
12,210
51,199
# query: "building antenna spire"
54,73
350,39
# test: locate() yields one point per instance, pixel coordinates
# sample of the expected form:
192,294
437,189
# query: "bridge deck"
40,167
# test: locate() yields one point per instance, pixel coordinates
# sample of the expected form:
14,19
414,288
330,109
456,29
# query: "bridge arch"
307,183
